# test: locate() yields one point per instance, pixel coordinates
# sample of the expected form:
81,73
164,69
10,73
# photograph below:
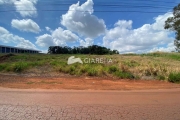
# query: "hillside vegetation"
161,66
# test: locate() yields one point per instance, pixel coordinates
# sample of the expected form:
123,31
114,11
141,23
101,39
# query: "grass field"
159,66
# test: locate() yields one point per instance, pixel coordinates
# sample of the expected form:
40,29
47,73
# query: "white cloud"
45,40
24,7
170,47
58,37
3,31
44,51
48,29
26,25
6,1
79,19
125,39
7,37
66,35
160,21
87,42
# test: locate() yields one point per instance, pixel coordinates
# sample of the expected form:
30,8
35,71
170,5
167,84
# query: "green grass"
131,63
20,66
3,66
124,75
161,66
174,77
29,83
43,82
174,56
50,82
112,69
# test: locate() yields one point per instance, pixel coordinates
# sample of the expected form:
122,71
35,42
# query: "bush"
72,70
92,72
161,77
124,75
112,69
19,67
2,67
174,77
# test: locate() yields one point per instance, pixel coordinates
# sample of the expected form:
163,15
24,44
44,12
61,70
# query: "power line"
99,3
113,6
155,5
152,1
117,7
84,11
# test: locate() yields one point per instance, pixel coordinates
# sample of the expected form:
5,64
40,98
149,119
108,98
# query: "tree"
94,49
173,23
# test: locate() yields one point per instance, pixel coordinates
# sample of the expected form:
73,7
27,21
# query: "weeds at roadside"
174,77
49,82
43,82
29,83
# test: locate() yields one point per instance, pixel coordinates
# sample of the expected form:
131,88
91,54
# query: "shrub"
72,70
2,67
92,72
20,66
174,77
83,70
124,75
161,77
64,69
112,69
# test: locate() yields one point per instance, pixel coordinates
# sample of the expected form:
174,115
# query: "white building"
9,49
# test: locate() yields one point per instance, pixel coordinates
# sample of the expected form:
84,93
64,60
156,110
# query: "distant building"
9,49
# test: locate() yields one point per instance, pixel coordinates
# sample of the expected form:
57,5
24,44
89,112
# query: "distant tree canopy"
173,23
94,49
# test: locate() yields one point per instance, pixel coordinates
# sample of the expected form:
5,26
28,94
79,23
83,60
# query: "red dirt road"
36,104
81,83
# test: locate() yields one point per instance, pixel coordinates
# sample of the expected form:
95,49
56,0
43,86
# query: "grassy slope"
162,66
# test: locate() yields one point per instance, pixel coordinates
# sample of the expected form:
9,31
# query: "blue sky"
128,26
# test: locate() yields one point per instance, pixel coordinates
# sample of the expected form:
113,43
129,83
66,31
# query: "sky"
129,26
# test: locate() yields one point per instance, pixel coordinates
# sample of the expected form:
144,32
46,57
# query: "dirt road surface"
81,83
39,104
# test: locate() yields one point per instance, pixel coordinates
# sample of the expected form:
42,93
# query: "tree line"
94,49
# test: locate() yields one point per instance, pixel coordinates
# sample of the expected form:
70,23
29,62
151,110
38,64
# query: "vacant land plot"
153,66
